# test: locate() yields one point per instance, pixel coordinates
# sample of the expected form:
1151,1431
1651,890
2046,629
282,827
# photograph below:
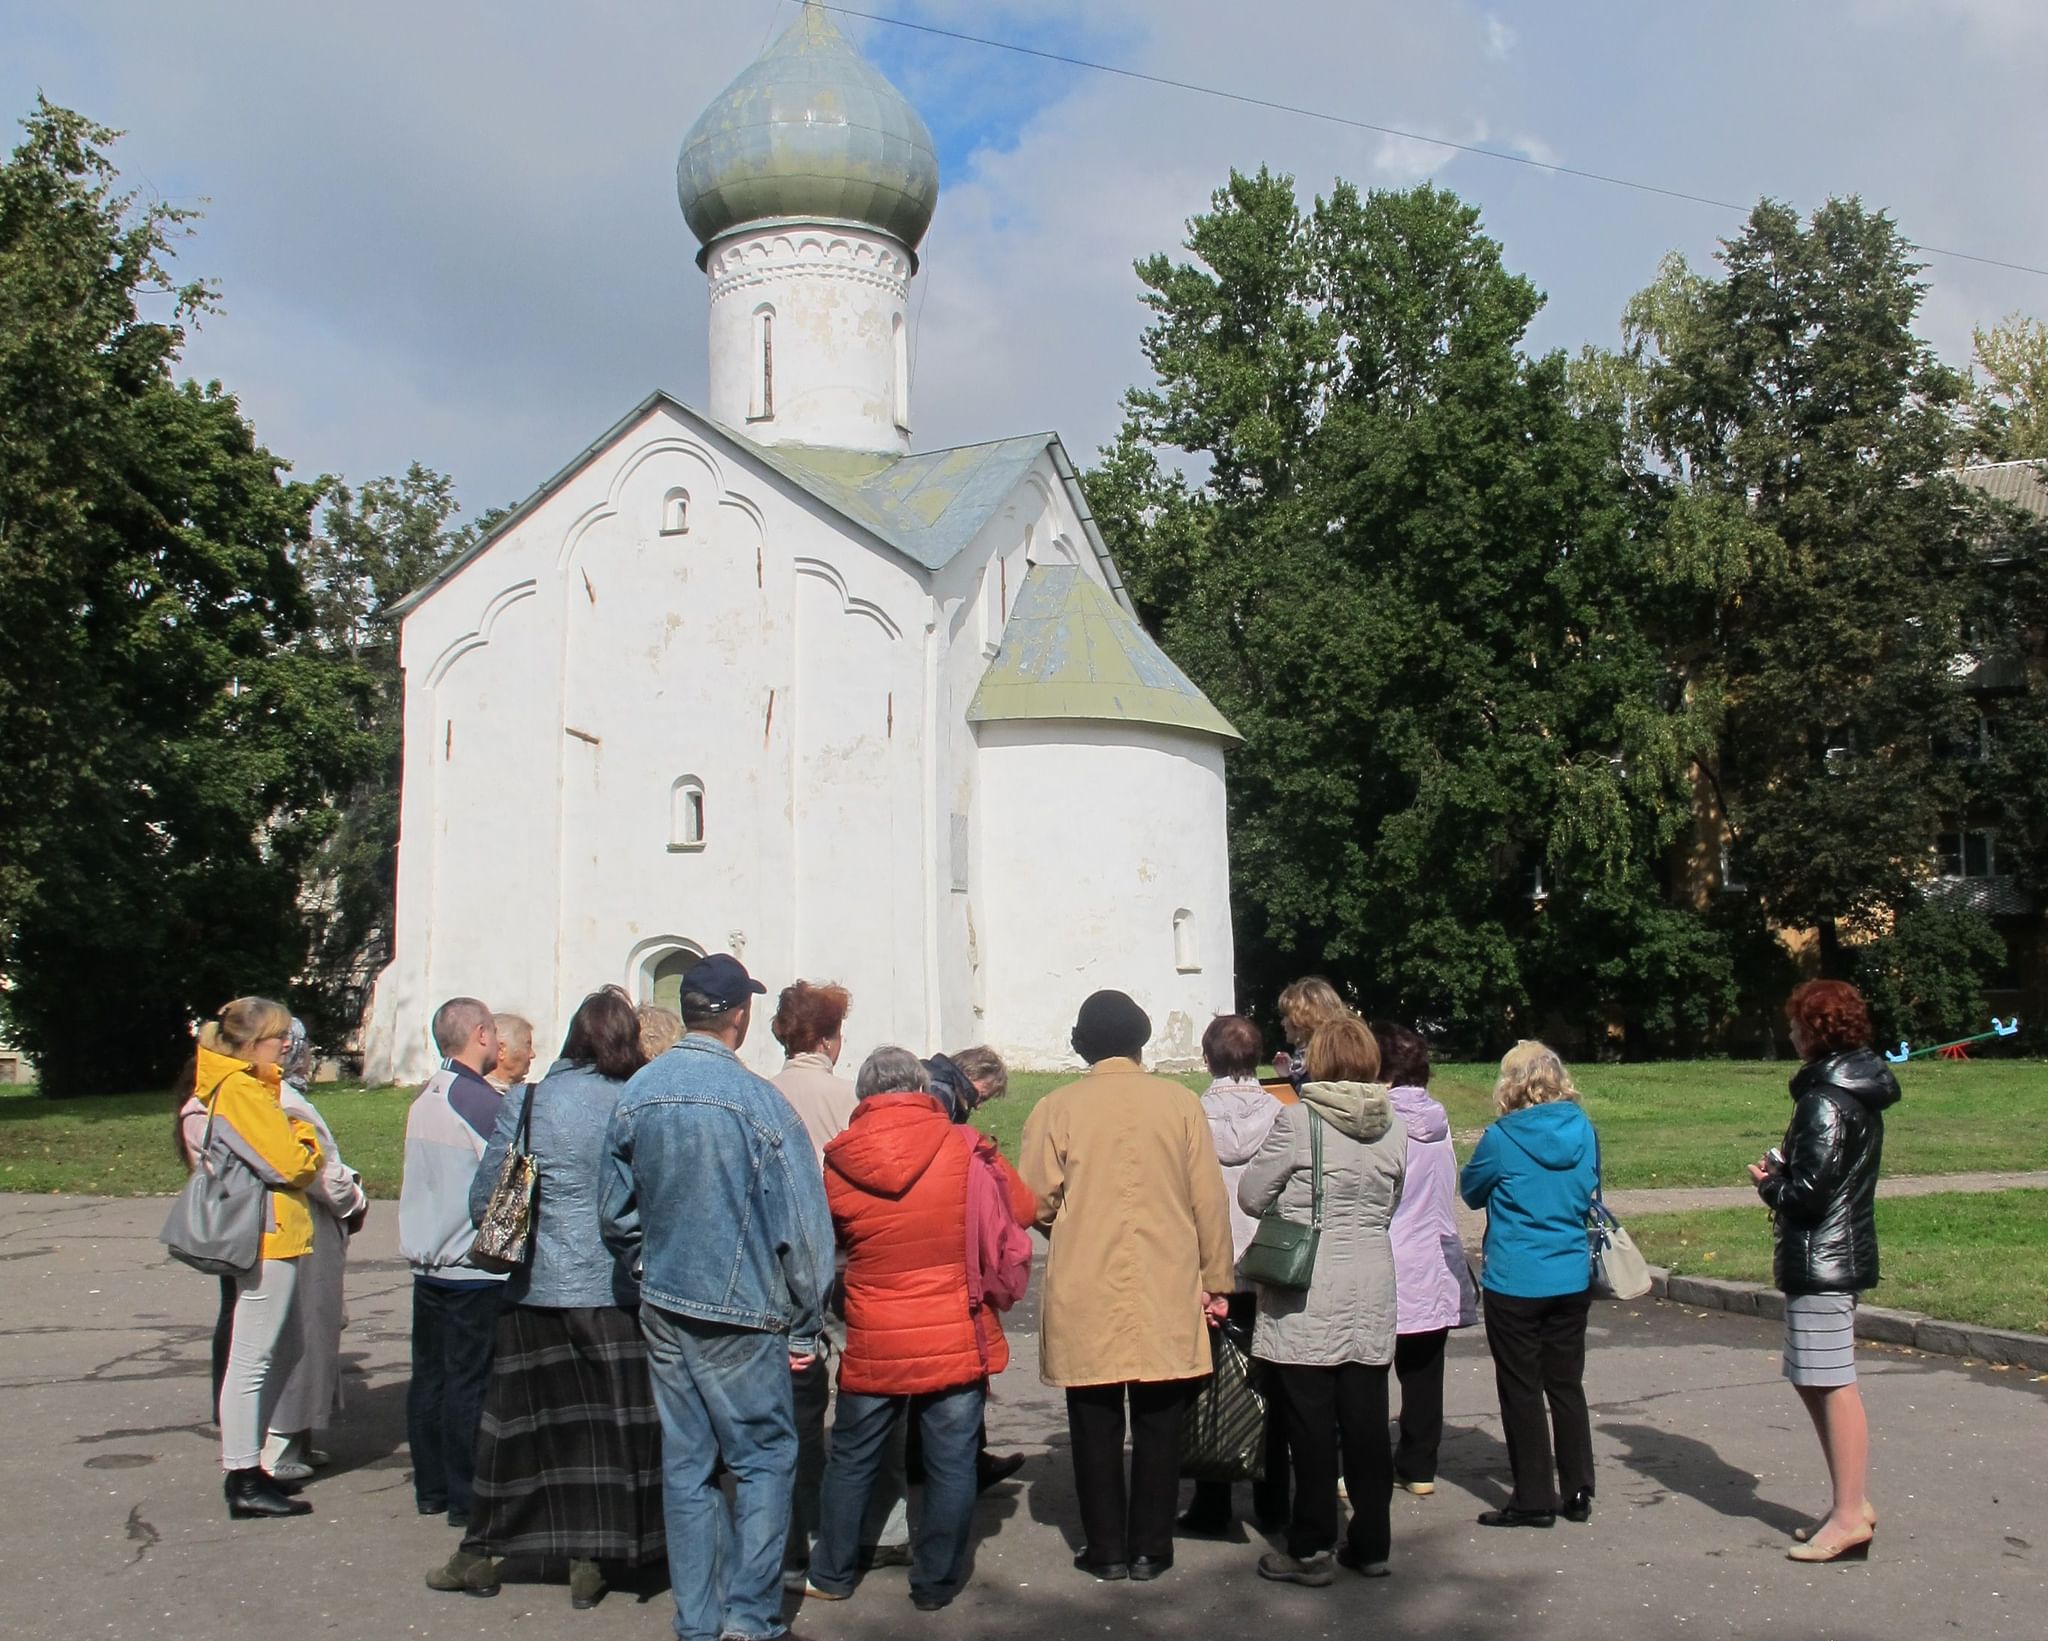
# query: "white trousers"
265,1345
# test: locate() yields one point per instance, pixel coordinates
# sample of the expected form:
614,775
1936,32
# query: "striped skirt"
568,1458
1820,1339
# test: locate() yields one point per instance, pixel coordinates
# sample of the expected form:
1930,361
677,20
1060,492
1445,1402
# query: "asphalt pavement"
115,1525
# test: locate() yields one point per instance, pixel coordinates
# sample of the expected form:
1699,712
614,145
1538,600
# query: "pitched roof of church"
1071,651
928,507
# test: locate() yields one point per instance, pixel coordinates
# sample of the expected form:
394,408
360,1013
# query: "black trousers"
223,1340
1349,1403
1121,1519
1211,1506
454,1329
1419,1367
1539,1356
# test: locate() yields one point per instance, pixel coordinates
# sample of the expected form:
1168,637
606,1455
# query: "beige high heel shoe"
1802,1535
1852,1549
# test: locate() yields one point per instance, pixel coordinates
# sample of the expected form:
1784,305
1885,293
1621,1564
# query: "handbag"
1619,1270
504,1236
1223,1431
1282,1253
216,1225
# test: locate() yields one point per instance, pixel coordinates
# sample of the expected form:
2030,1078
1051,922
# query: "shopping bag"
1223,1432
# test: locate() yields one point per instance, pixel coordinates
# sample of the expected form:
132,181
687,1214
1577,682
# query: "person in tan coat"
1130,1195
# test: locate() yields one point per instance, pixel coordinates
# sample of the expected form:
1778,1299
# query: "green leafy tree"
374,545
2009,391
1405,559
1924,979
1819,565
167,740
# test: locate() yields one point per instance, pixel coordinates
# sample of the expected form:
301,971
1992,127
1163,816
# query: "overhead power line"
1300,110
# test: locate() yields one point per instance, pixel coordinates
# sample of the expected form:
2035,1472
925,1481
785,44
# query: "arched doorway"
654,969
668,978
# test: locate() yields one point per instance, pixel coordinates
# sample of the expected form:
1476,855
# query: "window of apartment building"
1966,854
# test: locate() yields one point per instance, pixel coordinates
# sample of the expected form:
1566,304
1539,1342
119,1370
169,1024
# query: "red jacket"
897,1183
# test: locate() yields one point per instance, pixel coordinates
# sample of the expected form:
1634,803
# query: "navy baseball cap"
721,979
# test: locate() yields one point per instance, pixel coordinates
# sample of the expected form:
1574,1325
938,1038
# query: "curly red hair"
1833,1015
805,1015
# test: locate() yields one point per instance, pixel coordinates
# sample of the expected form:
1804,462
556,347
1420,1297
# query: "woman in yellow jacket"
236,1086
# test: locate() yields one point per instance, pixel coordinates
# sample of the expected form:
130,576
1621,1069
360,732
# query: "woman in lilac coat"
1432,1280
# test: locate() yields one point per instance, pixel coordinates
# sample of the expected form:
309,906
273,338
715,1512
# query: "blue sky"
446,230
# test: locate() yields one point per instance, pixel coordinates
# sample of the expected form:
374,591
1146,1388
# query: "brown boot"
468,1572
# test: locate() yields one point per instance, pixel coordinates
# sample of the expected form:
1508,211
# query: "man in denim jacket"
714,1197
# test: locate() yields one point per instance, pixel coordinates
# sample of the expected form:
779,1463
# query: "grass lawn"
1969,1258
1693,1122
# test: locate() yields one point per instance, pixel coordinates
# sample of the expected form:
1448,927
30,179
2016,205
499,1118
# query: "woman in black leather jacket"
1821,1188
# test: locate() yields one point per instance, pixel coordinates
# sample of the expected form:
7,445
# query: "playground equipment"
1957,1050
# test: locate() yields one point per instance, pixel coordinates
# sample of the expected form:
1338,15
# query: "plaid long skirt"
568,1459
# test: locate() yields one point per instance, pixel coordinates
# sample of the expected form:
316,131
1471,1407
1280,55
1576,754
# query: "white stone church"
760,678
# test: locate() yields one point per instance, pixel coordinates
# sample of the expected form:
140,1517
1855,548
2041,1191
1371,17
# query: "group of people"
716,1259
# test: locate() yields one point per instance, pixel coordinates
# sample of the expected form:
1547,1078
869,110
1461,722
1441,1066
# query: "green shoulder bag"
1283,1251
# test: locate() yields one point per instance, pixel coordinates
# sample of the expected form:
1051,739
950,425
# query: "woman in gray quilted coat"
1331,1345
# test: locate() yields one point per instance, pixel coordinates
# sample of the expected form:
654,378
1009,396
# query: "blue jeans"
951,1424
723,1392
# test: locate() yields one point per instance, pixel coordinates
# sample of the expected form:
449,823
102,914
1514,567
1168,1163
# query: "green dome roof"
810,132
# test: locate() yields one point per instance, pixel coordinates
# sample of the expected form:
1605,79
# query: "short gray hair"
455,1022
514,1030
892,1071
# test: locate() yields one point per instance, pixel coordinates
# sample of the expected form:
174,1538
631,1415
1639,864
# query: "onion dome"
810,132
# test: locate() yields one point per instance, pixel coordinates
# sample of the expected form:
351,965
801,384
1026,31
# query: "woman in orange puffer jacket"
930,1219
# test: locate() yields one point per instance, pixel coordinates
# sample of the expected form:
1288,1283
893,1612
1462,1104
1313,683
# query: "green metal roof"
928,506
1071,651
809,132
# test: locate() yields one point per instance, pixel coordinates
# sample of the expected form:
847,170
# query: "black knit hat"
1111,1027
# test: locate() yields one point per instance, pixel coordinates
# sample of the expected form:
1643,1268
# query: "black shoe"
1108,1571
1508,1516
884,1555
1579,1507
1348,1557
433,1507
1144,1568
993,1468
929,1603
457,1516
250,1493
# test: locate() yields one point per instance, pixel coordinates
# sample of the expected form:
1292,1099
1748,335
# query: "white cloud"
448,239
1500,39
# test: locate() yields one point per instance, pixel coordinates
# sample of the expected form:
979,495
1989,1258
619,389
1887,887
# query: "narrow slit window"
1187,957
675,513
761,398
686,814
902,341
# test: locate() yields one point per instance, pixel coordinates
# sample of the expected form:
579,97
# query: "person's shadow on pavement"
1683,1464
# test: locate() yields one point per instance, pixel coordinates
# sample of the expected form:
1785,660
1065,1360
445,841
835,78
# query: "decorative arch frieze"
480,635
820,570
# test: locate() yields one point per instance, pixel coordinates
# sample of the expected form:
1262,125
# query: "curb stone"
1878,1323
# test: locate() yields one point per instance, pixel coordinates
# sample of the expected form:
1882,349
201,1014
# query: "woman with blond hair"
235,1092
1337,1160
1308,1003
1534,1172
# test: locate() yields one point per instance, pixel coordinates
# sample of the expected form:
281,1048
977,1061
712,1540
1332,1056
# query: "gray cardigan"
571,1267
1348,1313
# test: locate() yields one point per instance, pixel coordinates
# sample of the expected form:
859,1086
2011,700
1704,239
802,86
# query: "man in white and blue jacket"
454,1305
714,1198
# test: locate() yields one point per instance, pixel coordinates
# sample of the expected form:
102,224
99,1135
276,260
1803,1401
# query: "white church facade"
765,681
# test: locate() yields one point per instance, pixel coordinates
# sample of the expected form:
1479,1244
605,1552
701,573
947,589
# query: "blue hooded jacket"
1534,1172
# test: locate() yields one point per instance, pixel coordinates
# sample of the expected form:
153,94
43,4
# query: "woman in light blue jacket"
569,1395
1534,1172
